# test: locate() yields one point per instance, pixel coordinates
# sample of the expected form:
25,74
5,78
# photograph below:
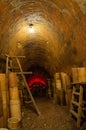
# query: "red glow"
36,82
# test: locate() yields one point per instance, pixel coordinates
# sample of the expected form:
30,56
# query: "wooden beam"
15,56
23,72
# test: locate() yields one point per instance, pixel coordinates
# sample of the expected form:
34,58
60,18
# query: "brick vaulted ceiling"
58,39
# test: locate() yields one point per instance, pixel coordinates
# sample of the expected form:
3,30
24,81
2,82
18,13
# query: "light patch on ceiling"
82,5
65,11
36,17
31,30
19,45
16,3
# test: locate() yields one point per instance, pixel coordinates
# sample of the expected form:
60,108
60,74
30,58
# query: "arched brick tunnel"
50,33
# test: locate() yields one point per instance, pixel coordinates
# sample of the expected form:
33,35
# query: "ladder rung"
28,102
23,72
76,93
13,67
75,103
84,109
74,113
15,56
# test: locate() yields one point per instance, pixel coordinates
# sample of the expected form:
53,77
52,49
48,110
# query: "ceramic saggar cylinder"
75,76
1,122
14,94
57,81
14,123
4,93
13,79
58,84
82,74
15,107
13,86
64,80
49,91
57,76
68,97
1,105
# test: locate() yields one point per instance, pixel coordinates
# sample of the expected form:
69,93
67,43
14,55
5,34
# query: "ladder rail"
80,106
27,86
23,77
77,94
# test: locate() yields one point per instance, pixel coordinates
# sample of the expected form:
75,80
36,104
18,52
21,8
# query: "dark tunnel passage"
37,81
37,86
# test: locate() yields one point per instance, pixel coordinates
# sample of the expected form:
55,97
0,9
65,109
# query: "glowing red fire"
36,81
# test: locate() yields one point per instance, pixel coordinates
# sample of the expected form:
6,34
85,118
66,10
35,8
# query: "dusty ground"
53,117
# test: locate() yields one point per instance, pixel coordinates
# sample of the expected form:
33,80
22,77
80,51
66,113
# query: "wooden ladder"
77,103
9,66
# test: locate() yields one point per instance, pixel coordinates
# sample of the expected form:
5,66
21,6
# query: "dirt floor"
53,117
